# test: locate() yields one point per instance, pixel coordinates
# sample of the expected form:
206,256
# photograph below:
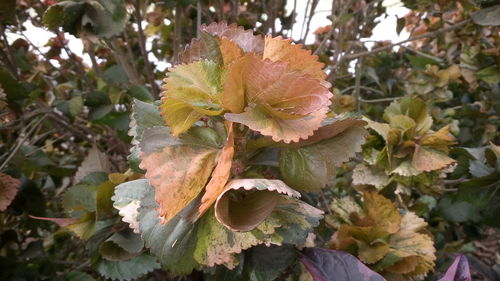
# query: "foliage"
258,157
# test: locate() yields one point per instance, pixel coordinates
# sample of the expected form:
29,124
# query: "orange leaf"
230,51
300,59
220,175
178,173
260,119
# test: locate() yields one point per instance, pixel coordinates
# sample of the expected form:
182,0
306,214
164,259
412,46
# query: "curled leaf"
246,203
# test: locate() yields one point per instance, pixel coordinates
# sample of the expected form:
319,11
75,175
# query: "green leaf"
78,276
102,18
487,16
414,108
401,22
112,252
141,93
312,167
104,205
53,17
115,75
96,161
263,263
490,75
127,270
144,116
75,105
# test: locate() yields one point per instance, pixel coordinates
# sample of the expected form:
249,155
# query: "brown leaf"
245,203
300,59
439,140
405,265
427,159
381,211
178,173
220,175
8,190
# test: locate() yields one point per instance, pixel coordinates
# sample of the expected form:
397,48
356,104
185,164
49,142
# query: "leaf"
191,91
53,17
75,105
312,167
263,263
300,59
102,18
490,75
240,210
283,104
127,270
344,207
144,116
220,175
8,190
381,211
372,252
331,265
427,159
127,240
110,251
369,175
63,222
414,108
96,161
127,199
178,173
487,16
330,128
104,205
409,244
141,93
245,39
458,271
230,51
78,276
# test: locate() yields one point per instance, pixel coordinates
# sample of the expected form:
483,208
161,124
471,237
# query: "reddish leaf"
331,265
248,42
458,271
63,222
8,190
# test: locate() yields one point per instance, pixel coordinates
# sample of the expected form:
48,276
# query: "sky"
385,30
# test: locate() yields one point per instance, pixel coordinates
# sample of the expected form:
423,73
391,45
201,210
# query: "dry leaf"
8,190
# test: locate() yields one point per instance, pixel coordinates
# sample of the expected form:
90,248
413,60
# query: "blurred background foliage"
57,109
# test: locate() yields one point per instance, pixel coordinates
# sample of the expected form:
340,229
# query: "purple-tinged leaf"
331,265
458,271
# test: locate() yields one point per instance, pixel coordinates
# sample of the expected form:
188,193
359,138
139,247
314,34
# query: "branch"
363,88
142,45
425,35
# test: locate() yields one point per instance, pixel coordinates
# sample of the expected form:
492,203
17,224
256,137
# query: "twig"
198,18
363,88
33,125
378,100
304,21
439,60
425,35
91,52
142,45
177,30
357,89
121,58
314,4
